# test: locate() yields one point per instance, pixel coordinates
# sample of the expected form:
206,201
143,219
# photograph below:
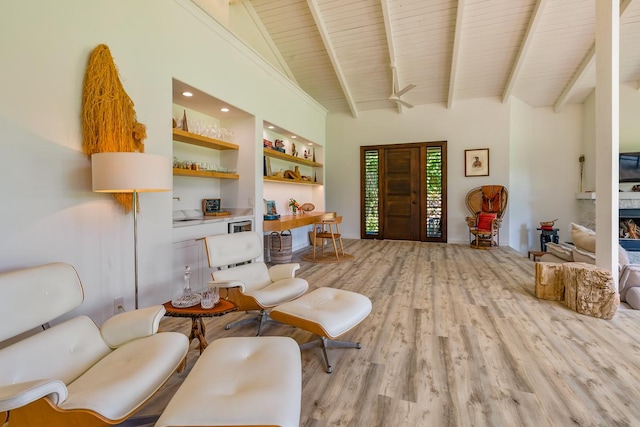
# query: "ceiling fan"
395,96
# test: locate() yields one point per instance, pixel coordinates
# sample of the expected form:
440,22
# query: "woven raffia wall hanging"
108,119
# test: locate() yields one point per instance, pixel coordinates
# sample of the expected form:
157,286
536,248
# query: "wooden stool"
328,228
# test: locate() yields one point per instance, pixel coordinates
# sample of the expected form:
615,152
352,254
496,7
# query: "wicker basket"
280,247
319,241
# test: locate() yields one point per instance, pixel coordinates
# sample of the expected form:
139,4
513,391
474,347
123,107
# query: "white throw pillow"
583,237
561,251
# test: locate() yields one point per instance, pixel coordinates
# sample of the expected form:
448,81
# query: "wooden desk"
196,313
287,222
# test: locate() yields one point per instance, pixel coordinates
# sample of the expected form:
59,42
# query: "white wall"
520,185
545,171
48,211
471,124
629,117
533,152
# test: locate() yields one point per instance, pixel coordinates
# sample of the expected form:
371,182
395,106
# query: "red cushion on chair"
484,221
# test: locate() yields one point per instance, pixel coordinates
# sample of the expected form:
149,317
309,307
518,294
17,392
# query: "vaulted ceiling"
347,53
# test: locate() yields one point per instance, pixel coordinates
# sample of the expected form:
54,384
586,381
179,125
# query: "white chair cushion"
253,276
63,352
240,381
233,248
280,291
335,311
50,290
14,396
126,378
132,325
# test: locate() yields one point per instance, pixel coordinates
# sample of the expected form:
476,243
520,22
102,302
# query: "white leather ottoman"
326,312
240,382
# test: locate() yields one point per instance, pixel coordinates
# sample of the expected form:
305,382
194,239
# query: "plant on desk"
294,206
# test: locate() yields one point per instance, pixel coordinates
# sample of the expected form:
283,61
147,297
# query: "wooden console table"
287,222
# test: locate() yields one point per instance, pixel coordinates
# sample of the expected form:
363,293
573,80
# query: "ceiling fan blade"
395,98
406,89
404,103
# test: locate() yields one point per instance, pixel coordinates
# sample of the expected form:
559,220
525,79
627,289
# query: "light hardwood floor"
456,337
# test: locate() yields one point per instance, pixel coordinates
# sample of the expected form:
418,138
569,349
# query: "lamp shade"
124,172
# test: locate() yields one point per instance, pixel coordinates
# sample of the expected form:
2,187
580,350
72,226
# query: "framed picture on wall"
476,162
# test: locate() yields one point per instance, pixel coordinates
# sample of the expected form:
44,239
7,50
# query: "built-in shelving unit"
290,181
205,142
202,141
275,154
204,174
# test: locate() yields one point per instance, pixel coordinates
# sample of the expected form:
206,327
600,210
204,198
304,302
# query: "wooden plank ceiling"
351,55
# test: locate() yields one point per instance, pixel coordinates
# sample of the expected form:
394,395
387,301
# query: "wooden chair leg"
314,243
335,248
340,239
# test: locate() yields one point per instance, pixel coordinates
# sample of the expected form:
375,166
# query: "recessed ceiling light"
271,127
187,94
293,136
224,109
311,144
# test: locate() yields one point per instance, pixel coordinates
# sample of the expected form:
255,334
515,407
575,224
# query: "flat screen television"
630,167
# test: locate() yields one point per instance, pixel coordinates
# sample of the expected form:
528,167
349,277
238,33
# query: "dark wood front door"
401,188
404,191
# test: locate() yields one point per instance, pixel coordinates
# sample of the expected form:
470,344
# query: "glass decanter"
187,298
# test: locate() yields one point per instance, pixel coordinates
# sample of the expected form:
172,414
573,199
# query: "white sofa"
74,373
582,249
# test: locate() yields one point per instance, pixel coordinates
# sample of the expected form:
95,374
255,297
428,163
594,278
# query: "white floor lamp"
131,173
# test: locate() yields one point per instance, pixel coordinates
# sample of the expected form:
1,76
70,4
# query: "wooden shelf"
202,141
274,154
204,174
289,181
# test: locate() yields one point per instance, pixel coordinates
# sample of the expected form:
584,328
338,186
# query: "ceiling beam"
392,52
324,33
524,48
455,55
267,38
586,64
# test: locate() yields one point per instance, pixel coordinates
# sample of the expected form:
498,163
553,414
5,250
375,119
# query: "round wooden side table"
197,313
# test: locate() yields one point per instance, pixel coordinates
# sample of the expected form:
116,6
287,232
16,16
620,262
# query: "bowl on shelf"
548,223
307,207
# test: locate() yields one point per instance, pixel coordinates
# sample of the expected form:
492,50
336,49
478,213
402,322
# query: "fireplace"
630,229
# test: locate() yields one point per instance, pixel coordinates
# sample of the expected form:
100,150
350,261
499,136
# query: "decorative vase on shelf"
293,204
185,125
